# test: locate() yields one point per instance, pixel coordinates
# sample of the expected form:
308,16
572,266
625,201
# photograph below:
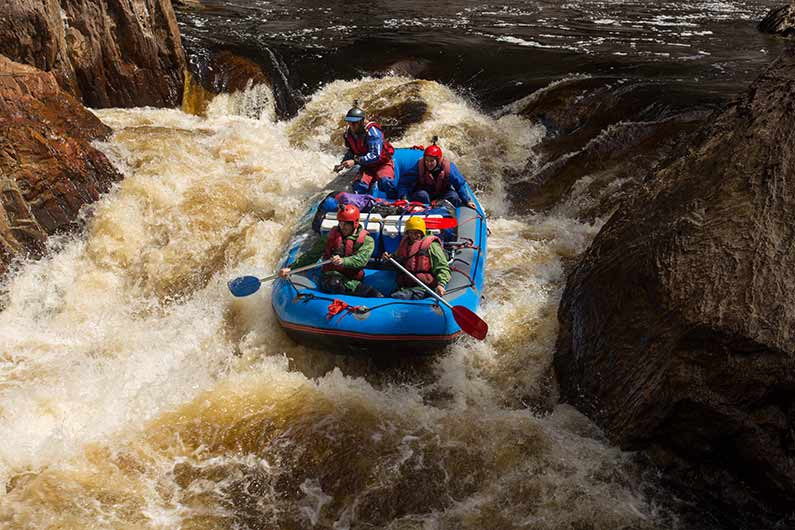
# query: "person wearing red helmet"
439,179
349,247
368,149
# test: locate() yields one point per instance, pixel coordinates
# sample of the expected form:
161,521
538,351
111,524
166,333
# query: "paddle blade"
440,223
470,322
244,285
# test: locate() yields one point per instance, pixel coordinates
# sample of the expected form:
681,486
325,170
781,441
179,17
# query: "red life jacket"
417,260
435,186
335,244
358,145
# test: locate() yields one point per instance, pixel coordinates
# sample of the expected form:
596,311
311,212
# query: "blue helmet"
355,114
329,205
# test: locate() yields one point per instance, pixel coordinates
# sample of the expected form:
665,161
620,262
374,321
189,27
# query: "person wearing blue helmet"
337,199
330,204
367,148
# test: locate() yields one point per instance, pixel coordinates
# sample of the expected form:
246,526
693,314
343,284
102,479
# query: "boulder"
416,67
107,53
230,72
779,21
48,168
677,325
395,106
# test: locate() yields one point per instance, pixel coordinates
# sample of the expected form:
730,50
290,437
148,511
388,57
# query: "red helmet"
349,213
434,151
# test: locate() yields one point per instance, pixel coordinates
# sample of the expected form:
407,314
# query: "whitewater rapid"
135,392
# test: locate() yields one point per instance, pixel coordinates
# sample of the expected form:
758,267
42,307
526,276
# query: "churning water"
135,392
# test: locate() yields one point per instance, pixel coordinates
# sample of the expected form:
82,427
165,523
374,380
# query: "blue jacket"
375,146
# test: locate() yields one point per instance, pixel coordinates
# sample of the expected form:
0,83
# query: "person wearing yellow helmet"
424,257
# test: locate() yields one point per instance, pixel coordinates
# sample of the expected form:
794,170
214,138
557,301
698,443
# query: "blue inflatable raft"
352,324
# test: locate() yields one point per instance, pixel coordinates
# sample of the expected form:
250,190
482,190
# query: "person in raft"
349,247
424,257
438,179
368,149
336,200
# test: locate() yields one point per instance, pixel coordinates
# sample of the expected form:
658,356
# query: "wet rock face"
107,53
616,161
612,129
32,32
48,169
678,324
779,21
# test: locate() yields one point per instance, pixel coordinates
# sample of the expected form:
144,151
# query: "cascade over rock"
48,168
107,53
222,71
779,21
677,326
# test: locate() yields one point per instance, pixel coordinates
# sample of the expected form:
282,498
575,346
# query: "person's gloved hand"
345,164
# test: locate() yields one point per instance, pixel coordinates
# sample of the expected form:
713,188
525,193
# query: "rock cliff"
106,53
678,324
48,168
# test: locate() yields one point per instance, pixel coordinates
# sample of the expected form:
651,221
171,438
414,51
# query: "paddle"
246,285
440,223
470,323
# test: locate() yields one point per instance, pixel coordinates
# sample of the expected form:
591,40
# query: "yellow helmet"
415,223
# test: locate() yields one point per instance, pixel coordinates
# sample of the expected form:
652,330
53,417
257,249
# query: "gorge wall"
678,324
55,57
108,53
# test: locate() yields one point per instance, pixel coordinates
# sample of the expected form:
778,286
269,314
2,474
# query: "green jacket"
439,266
358,260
